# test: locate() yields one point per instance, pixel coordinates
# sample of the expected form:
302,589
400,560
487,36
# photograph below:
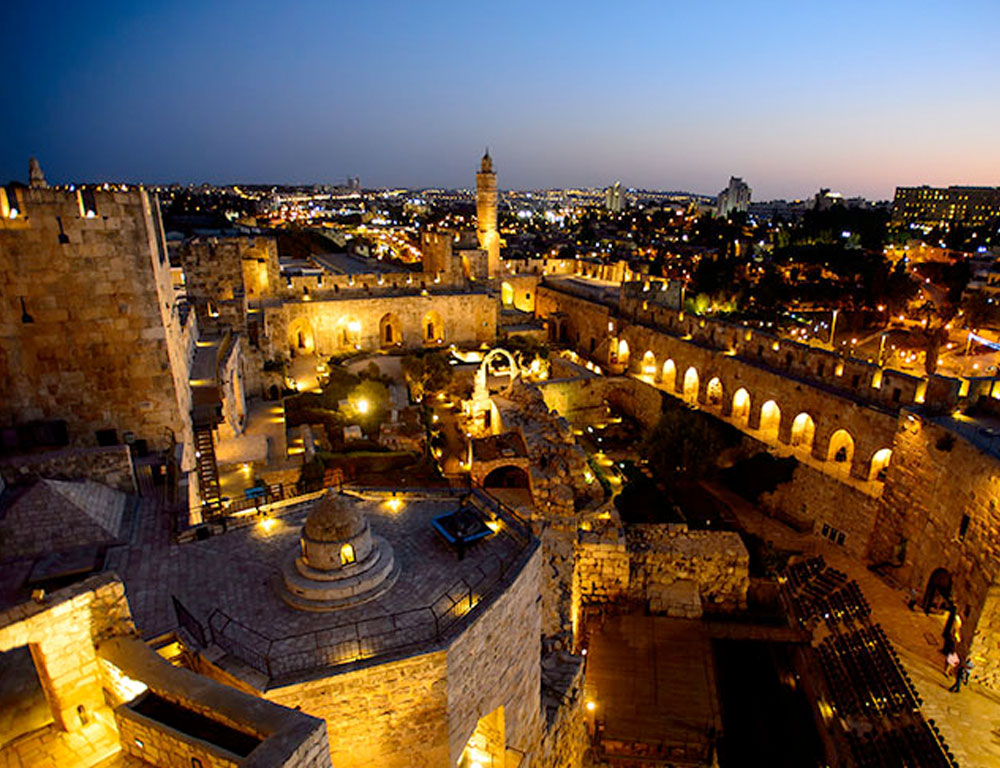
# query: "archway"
623,353
300,336
879,464
741,407
649,364
507,476
938,592
669,376
803,431
770,421
390,330
691,385
506,293
433,328
713,392
841,448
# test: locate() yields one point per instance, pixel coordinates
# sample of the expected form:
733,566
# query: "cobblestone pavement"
94,744
969,720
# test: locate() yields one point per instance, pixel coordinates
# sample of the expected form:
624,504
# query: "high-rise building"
613,198
735,197
930,206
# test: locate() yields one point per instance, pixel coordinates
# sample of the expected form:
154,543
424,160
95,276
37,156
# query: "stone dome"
334,518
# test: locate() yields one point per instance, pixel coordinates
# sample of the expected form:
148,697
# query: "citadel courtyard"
533,455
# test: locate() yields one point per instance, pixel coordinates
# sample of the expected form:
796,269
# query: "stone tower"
486,213
36,179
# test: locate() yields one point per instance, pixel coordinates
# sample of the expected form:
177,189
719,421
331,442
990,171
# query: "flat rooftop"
603,291
350,264
652,681
230,584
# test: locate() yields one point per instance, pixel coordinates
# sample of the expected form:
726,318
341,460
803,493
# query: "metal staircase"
207,468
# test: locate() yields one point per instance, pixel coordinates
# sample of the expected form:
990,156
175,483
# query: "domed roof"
334,518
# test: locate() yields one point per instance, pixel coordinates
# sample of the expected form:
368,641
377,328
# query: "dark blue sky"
857,96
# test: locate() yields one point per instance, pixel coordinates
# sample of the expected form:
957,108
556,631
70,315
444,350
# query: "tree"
427,373
683,443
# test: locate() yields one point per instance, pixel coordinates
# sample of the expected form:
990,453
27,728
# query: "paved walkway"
970,720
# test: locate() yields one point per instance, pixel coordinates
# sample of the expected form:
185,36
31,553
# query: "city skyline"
673,98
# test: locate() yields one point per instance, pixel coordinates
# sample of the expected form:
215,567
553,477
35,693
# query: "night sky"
856,96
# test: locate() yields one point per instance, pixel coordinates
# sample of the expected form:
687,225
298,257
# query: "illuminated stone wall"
98,341
421,711
936,478
812,499
338,326
61,634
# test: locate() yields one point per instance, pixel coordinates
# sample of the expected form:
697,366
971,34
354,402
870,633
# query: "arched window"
741,407
669,376
347,554
841,448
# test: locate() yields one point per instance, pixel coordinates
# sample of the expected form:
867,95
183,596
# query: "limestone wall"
338,326
603,571
813,499
111,466
98,340
495,663
421,710
393,715
715,561
936,479
61,633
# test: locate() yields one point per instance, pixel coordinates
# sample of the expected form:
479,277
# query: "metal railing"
349,642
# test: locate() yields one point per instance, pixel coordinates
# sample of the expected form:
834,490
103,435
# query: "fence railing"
348,642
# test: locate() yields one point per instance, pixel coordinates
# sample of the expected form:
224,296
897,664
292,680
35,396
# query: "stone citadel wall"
89,330
345,325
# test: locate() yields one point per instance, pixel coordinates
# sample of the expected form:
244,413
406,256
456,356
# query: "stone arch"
432,328
486,368
649,364
714,392
803,432
841,448
879,464
938,586
300,336
390,330
506,476
669,376
623,353
770,421
691,385
506,294
741,407
348,331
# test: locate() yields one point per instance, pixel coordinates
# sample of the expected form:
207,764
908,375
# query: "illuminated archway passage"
713,392
691,385
880,464
623,353
433,328
669,376
741,407
841,448
770,421
803,431
390,330
649,364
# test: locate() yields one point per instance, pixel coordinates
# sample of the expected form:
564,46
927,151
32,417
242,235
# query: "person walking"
961,676
951,664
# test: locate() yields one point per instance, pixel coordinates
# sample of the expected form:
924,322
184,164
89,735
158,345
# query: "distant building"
735,197
613,198
931,206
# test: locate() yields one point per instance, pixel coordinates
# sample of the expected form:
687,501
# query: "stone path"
970,720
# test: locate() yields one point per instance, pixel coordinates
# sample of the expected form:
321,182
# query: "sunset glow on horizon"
852,96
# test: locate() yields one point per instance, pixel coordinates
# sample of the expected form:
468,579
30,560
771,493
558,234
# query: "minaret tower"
486,214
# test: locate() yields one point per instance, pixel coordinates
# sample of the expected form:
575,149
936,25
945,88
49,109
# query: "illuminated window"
347,554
